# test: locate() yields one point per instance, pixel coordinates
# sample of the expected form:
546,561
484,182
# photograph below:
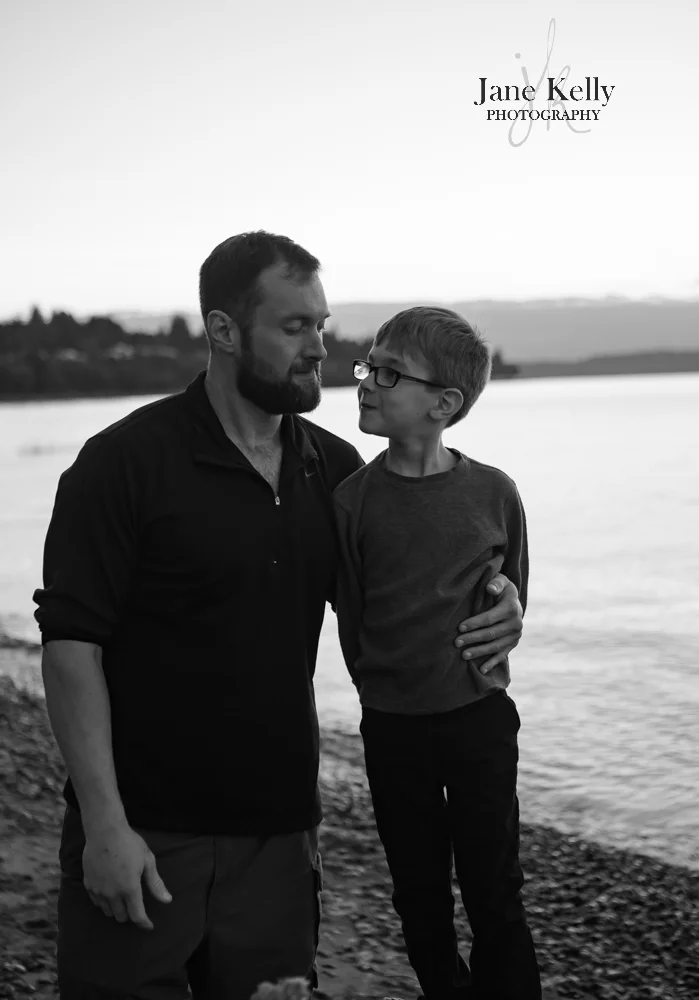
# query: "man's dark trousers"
244,910
472,753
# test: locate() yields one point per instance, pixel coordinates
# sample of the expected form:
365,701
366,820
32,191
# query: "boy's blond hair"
454,352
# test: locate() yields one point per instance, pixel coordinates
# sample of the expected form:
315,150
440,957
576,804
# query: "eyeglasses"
385,377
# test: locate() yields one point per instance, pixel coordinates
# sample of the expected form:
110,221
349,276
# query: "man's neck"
417,457
244,423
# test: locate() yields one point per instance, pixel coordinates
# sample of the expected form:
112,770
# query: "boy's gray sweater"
416,556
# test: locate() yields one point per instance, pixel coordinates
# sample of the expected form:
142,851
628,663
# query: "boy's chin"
369,424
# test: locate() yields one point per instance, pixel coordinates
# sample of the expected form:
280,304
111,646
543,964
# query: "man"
190,554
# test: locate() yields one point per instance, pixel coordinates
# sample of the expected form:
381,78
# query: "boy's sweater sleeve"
516,564
349,599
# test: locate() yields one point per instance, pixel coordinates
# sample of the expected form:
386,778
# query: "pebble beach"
608,924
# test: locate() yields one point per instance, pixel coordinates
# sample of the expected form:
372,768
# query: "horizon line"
610,298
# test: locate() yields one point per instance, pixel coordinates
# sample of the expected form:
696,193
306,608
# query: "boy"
423,529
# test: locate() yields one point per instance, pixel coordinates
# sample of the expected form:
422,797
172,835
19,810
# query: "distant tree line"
62,356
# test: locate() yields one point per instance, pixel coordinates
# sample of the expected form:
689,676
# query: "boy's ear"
450,402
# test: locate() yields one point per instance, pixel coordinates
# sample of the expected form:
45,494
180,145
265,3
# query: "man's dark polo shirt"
206,593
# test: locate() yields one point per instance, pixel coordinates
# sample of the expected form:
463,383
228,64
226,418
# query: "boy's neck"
416,458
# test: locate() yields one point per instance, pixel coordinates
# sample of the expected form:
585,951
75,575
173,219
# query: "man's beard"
258,383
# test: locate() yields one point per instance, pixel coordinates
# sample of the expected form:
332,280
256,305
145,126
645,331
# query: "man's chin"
307,406
297,404
308,392
293,396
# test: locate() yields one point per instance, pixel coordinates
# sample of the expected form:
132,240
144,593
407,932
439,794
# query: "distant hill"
541,330
649,362
557,329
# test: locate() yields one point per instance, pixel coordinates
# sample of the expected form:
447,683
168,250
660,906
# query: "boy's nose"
367,386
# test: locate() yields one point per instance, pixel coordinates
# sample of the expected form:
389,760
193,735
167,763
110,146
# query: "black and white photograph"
349,500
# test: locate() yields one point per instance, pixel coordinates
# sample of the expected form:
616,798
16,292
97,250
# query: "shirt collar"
211,443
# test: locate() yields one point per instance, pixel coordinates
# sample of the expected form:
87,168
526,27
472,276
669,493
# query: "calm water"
606,676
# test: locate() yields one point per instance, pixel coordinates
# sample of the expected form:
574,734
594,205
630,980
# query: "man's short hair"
454,352
228,276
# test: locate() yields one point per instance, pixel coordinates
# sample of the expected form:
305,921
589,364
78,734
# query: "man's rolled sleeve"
91,545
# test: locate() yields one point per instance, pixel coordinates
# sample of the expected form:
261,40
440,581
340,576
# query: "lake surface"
606,676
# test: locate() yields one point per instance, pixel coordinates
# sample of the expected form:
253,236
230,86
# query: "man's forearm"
78,705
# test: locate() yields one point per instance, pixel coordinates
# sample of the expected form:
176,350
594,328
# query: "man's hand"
494,633
114,862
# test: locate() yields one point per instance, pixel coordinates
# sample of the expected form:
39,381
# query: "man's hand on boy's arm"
493,633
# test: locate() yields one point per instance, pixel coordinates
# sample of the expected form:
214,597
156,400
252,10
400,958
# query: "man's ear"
222,331
450,402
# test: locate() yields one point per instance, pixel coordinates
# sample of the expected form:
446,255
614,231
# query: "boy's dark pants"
472,753
244,910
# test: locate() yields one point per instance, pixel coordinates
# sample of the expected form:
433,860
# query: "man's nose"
316,350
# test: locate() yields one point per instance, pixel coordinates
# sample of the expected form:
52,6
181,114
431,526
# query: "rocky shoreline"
608,924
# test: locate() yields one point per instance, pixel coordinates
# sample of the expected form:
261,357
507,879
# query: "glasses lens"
360,369
386,377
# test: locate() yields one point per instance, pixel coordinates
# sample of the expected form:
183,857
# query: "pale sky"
137,135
